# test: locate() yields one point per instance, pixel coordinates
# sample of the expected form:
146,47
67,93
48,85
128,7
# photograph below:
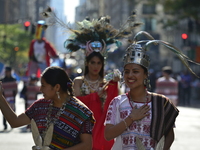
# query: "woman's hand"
113,76
112,131
139,113
116,75
116,78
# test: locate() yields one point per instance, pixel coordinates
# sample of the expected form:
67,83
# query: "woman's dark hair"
56,75
145,70
88,58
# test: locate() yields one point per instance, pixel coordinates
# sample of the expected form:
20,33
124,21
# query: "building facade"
153,18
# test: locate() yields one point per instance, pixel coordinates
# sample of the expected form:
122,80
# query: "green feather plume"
96,30
184,59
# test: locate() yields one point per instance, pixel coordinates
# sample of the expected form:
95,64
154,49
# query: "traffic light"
184,36
26,25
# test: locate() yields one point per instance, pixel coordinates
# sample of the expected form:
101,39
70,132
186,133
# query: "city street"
15,139
187,131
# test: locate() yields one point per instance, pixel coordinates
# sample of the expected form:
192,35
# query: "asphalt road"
187,131
15,139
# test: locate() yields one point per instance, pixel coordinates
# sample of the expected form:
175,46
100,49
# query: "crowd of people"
90,111
186,86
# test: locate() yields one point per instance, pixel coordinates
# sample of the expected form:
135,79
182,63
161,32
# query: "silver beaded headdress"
136,53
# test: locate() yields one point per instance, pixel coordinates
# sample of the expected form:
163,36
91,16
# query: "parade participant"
140,119
95,88
95,91
40,51
10,90
167,85
72,120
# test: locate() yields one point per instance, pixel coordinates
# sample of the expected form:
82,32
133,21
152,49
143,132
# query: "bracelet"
125,124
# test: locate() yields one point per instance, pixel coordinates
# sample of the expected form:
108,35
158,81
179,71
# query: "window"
149,24
148,9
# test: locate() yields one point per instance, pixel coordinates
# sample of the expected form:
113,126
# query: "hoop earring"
147,83
58,95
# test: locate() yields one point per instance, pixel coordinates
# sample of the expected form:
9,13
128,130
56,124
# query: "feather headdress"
136,53
96,35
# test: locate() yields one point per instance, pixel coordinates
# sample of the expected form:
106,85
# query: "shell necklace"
50,119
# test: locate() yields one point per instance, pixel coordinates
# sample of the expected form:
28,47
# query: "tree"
181,10
14,45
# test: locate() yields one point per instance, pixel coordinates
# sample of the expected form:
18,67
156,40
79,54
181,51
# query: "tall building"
56,34
10,12
17,12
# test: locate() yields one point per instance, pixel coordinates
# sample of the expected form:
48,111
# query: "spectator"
30,91
167,85
10,90
185,85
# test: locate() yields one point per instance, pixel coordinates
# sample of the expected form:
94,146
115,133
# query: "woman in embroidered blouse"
73,121
90,90
139,118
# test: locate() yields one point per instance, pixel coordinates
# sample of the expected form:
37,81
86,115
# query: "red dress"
94,103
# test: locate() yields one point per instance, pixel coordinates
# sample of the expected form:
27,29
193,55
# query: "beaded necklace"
93,85
90,86
131,100
50,119
92,82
